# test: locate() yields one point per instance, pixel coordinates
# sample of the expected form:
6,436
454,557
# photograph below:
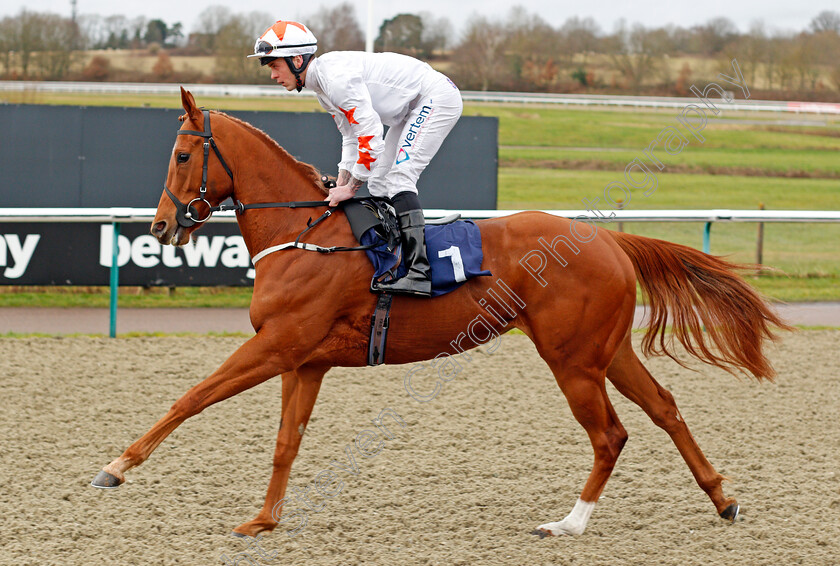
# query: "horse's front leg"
253,363
300,389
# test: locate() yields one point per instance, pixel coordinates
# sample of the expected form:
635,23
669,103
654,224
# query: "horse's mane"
308,171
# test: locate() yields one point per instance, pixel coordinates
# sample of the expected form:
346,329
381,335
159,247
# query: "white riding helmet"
285,39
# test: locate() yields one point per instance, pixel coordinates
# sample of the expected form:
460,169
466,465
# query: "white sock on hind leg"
574,523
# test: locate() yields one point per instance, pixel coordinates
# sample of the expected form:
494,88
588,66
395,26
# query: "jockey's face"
281,73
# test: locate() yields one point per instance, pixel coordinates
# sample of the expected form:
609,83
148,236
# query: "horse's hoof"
540,533
104,480
731,512
239,535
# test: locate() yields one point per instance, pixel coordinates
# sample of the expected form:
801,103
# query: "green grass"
783,244
564,127
804,251
184,297
797,289
564,189
698,160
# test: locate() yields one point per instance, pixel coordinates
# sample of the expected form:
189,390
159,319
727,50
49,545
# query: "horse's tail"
692,285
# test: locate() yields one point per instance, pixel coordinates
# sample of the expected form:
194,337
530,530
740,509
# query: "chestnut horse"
312,311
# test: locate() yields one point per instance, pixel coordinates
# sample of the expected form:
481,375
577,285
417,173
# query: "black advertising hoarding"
66,253
77,157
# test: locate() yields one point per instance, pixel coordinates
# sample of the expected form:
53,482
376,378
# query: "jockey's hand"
343,192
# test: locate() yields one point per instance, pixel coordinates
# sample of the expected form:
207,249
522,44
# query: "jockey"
365,92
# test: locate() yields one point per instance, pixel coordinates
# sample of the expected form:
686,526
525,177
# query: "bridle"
187,214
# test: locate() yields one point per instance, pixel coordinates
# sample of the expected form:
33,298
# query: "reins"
187,214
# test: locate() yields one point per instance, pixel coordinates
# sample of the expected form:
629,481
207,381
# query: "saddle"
453,247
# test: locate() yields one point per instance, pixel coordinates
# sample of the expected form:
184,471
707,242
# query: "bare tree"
826,21
660,43
233,42
8,39
136,30
804,57
714,35
834,75
635,53
210,22
683,40
337,29
213,18
118,32
784,49
752,51
478,59
59,37
826,45
773,54
27,40
437,34
92,31
532,49
401,34
581,37
38,44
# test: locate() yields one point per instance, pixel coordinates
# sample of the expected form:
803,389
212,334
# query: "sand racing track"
467,478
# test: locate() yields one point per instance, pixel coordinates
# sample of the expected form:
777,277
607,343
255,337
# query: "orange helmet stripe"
279,28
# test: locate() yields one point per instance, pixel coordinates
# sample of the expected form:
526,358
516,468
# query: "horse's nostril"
160,227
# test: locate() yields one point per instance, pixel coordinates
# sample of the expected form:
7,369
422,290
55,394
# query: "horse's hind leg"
584,390
300,390
634,381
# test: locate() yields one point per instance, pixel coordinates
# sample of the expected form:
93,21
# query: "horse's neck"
264,173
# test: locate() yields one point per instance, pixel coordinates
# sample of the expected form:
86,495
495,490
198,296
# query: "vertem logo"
146,251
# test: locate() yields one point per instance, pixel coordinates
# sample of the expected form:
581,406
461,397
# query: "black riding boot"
418,280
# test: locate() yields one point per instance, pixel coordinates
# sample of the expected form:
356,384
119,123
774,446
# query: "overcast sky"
776,14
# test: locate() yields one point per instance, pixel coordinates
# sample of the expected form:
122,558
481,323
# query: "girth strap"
379,323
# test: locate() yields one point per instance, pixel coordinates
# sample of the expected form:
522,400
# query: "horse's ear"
189,105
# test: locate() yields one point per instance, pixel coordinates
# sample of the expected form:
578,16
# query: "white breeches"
410,146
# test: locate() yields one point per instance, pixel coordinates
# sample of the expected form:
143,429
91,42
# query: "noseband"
187,214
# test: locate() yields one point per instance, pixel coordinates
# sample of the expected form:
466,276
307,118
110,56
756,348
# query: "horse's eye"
183,157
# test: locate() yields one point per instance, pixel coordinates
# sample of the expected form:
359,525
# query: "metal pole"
759,252
369,34
707,234
115,277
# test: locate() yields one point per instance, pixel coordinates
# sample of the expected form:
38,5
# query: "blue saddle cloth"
454,252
